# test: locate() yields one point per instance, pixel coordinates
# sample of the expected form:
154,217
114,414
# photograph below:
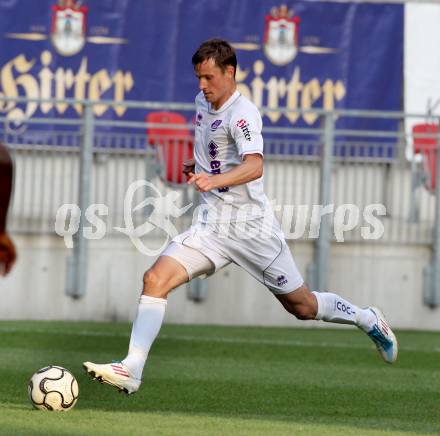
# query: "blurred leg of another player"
7,249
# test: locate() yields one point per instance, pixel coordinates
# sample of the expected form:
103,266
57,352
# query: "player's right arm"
7,249
189,166
250,169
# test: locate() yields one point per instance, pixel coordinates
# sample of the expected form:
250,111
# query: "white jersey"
222,138
253,239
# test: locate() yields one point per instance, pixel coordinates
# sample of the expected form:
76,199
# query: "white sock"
333,308
146,327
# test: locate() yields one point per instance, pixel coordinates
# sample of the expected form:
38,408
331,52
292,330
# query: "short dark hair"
217,49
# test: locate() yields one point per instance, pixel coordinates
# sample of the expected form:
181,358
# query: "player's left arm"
251,168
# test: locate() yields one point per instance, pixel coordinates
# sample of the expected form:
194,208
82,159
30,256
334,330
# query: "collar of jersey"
236,95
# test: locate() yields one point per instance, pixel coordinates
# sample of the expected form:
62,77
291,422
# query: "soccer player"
7,250
236,224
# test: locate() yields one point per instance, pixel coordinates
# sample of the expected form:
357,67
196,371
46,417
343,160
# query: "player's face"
216,85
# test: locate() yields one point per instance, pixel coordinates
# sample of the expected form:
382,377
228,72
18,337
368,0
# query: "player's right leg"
330,307
175,266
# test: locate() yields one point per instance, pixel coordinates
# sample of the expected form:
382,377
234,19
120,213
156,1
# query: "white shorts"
205,248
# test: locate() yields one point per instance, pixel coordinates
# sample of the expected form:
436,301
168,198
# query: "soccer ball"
53,388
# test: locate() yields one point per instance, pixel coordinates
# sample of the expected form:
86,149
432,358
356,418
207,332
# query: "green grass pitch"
205,380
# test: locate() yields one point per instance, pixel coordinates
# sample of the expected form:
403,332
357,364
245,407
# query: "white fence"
304,167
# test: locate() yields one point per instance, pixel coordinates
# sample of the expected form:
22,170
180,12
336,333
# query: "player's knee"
303,312
152,283
303,309
301,303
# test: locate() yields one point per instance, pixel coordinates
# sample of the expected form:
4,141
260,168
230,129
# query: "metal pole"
318,272
432,272
78,265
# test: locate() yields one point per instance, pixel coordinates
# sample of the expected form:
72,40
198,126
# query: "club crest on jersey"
244,126
68,32
281,35
215,125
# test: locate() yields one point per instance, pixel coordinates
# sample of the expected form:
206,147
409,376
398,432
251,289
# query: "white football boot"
383,337
115,374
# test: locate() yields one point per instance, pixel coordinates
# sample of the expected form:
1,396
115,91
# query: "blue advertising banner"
301,54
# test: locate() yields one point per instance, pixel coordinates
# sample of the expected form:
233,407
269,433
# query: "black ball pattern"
53,388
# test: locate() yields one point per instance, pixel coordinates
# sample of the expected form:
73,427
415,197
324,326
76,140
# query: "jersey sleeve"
246,131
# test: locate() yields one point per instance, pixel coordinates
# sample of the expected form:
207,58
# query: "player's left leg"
330,307
176,265
159,280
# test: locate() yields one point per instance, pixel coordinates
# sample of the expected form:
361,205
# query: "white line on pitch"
253,341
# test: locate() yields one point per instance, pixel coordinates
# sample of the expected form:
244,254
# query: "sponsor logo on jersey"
198,119
213,149
281,280
215,125
244,126
214,163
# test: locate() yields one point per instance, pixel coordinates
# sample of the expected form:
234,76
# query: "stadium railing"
359,158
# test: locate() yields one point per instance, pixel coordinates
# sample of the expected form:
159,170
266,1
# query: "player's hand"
202,181
189,166
7,254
